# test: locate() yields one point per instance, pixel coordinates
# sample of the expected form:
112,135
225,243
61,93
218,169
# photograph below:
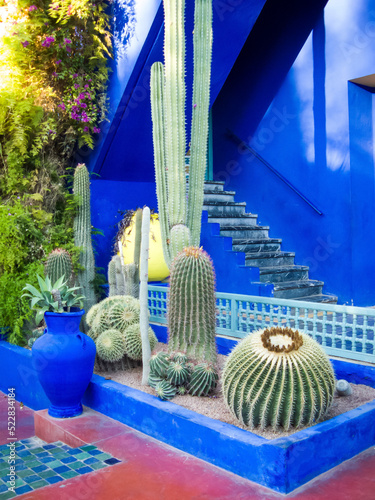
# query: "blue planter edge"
281,464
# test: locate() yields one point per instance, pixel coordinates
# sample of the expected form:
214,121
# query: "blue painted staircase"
239,246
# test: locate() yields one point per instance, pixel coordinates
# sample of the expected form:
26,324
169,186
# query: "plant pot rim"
81,312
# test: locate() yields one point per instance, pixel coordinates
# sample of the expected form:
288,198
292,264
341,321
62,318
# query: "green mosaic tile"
98,465
39,484
103,456
47,473
69,474
61,455
33,463
88,447
54,464
36,450
29,458
82,456
4,465
75,465
54,451
7,495
19,482
25,473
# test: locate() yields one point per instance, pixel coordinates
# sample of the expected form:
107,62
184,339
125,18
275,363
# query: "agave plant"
52,297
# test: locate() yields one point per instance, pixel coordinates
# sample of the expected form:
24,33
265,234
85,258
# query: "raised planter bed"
282,464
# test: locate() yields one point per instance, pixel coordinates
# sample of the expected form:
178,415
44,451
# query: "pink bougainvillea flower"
68,49
76,85
96,130
67,40
89,80
75,75
47,41
62,106
86,129
54,73
82,95
85,118
32,7
87,86
83,105
58,62
25,43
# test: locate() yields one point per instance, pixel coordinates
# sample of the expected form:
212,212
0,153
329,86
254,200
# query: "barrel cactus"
165,390
133,341
159,364
192,305
278,377
203,380
110,345
59,263
177,373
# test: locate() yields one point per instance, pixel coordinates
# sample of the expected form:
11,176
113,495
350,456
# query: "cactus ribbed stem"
59,264
143,295
201,101
82,235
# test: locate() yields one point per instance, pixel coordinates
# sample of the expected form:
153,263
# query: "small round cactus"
177,373
122,316
110,345
153,380
159,364
165,390
133,341
92,313
203,379
278,377
179,356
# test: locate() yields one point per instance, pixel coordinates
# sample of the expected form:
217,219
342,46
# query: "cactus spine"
192,304
278,377
59,264
180,219
82,235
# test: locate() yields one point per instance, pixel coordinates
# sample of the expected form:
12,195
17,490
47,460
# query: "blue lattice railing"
344,331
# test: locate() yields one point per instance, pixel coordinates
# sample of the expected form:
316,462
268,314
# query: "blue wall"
297,119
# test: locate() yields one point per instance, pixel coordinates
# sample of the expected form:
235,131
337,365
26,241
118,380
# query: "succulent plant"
122,316
165,390
192,305
182,390
179,356
116,279
110,345
203,380
133,341
177,373
59,263
180,213
153,380
92,313
159,364
82,235
278,377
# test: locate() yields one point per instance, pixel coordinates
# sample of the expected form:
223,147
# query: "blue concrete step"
213,186
243,220
298,289
283,273
228,209
269,259
250,232
257,246
323,299
219,196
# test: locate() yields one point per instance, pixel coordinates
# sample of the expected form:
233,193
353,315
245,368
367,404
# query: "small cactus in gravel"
203,380
159,364
165,390
177,373
153,380
278,377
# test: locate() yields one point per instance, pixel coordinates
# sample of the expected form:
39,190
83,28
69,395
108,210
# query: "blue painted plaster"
282,464
302,119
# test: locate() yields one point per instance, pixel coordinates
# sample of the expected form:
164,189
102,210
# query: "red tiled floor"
24,421
154,471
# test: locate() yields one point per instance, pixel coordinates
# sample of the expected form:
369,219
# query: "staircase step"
228,209
298,289
243,220
269,259
213,186
257,246
219,196
323,299
249,232
283,274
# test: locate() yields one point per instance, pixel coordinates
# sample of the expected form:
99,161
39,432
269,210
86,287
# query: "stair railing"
239,141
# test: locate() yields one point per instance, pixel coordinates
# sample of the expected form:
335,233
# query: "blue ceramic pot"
64,359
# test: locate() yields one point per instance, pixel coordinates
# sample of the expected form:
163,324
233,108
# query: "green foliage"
53,297
278,377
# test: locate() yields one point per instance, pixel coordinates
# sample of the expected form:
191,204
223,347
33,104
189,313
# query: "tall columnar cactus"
143,295
180,215
278,377
59,264
82,235
192,304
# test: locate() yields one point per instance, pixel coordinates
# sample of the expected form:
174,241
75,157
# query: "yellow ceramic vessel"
157,267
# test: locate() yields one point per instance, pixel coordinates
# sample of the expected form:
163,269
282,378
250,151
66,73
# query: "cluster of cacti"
278,377
180,213
115,329
172,374
59,263
82,235
192,305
